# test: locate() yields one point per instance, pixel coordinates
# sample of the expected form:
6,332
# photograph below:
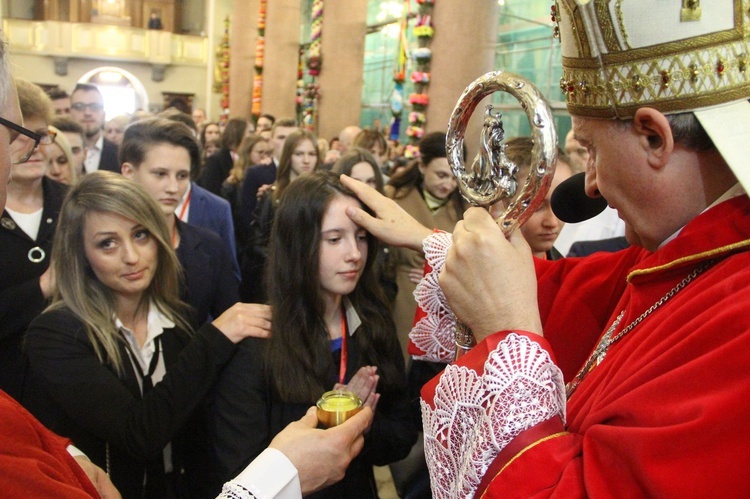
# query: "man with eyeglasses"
87,108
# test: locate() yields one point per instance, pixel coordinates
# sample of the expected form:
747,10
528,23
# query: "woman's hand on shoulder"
263,189
243,320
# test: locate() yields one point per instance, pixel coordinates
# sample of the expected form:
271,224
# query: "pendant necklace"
607,340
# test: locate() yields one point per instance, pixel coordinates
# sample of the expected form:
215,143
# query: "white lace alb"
434,333
476,416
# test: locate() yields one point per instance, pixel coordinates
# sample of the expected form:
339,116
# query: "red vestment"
34,462
666,412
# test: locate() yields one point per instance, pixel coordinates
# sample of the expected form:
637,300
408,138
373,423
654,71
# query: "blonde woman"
115,367
60,160
27,228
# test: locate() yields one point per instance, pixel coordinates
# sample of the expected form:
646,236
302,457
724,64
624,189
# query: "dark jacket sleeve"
248,200
92,396
213,174
227,290
239,426
19,305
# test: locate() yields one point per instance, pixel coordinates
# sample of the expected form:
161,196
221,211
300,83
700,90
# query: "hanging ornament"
399,75
420,76
260,51
316,33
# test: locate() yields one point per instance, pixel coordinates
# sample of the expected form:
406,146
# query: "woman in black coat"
27,227
114,365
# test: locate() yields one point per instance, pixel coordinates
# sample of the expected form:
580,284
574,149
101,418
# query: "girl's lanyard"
185,206
342,365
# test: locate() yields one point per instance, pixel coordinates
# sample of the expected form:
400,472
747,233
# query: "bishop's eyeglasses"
26,142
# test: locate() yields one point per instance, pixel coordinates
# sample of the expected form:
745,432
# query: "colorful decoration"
422,55
399,75
419,100
316,33
419,77
308,94
221,72
260,49
411,151
423,28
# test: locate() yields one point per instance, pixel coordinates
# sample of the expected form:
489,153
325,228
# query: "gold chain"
607,340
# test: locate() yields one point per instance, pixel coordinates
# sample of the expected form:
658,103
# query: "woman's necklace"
607,340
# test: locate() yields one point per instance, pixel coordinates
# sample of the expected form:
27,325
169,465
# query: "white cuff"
75,451
270,475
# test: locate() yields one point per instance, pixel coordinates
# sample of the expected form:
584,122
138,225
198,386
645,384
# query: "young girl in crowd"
60,160
299,157
543,227
361,165
330,324
115,367
427,190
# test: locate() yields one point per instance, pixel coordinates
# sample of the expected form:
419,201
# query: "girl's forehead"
336,209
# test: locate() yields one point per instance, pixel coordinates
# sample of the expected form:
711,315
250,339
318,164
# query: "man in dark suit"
260,175
87,109
204,209
585,248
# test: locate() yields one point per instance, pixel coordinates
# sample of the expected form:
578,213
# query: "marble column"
463,49
343,54
242,38
281,58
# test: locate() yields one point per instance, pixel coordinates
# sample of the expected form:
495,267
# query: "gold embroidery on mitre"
607,26
621,24
577,27
675,76
691,10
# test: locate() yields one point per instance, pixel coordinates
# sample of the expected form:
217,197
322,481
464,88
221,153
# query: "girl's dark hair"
202,134
355,156
298,356
368,138
143,135
233,133
432,146
284,172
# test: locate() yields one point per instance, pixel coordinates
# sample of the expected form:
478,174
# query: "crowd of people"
170,314
137,260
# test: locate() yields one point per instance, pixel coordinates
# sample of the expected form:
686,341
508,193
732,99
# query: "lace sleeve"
476,415
234,490
270,475
433,334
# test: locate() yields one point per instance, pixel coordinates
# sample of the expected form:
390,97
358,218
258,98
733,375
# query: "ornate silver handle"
492,176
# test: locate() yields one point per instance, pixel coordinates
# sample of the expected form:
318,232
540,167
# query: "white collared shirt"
184,215
93,155
156,323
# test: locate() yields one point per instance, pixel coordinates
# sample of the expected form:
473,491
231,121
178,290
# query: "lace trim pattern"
475,416
233,490
434,333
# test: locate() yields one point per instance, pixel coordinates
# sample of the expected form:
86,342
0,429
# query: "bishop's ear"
656,133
